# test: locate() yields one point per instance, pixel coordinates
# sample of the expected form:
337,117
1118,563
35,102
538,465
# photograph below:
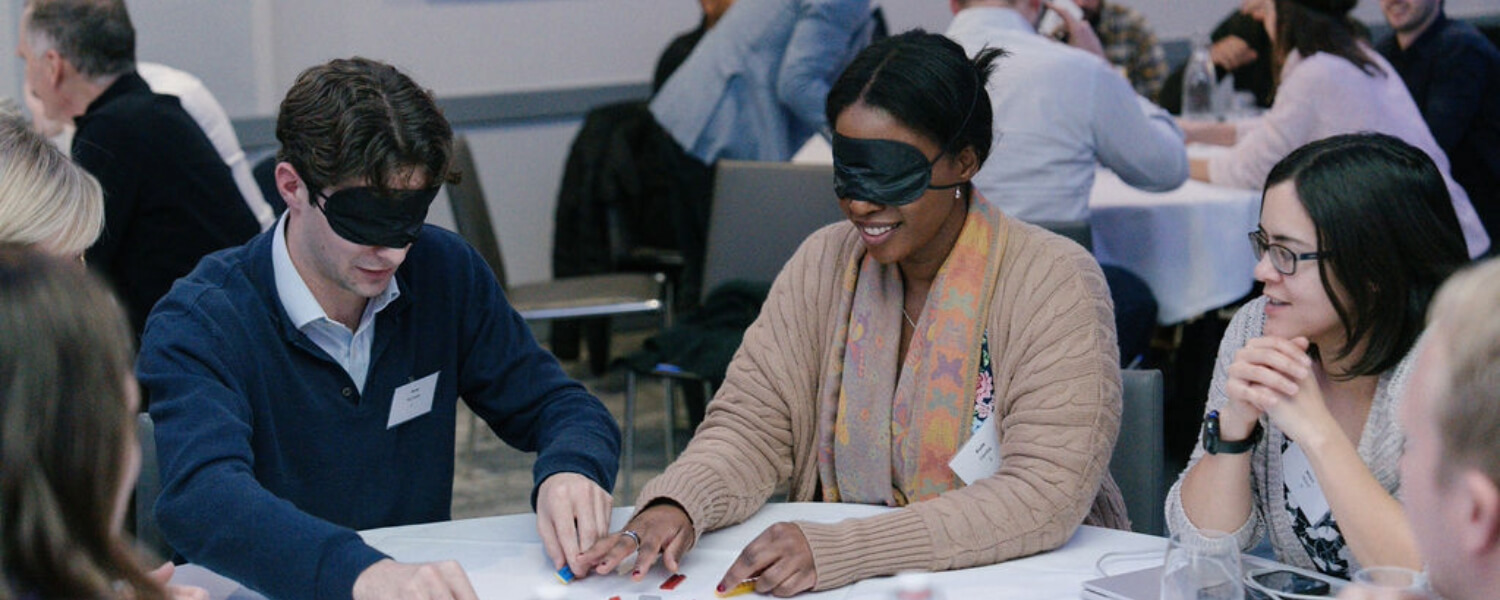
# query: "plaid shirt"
1131,47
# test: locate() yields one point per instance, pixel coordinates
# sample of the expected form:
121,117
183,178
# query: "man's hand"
163,576
1080,34
389,579
1231,53
572,512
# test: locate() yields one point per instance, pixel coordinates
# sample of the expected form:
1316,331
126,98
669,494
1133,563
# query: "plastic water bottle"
1198,83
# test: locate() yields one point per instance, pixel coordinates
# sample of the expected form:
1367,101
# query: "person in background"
887,344
1453,73
682,46
1059,113
1329,82
1451,469
169,198
199,104
1300,440
1240,47
69,457
306,385
753,87
1129,44
46,201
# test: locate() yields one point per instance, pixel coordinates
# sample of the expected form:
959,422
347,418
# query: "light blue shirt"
1060,111
351,349
754,86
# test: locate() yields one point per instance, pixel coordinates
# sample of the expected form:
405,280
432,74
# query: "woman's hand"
779,560
1265,370
1232,52
1274,376
661,531
1207,132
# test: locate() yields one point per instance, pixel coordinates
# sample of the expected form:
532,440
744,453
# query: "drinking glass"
1397,582
1203,566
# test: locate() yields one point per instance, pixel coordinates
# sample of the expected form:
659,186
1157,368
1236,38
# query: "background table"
1189,244
504,559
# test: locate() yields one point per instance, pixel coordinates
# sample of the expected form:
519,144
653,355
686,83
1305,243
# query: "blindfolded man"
305,385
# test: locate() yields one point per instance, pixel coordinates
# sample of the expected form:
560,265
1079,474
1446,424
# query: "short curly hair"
360,119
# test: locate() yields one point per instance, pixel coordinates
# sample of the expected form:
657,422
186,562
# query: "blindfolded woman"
928,354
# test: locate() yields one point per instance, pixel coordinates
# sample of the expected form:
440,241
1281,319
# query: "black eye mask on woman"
365,217
885,172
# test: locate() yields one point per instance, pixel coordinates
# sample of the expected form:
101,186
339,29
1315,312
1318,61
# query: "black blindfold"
881,171
368,218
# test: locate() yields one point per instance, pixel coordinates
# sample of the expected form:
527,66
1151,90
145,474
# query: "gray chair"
1140,459
147,489
761,213
604,295
567,298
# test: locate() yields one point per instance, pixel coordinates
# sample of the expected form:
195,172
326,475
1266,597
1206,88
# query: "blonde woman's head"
46,200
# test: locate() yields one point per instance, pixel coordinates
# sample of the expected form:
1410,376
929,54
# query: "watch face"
1211,433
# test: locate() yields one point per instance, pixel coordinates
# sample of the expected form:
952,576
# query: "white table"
504,559
1189,244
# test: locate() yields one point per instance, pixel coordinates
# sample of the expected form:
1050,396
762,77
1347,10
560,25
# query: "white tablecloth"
1188,244
504,559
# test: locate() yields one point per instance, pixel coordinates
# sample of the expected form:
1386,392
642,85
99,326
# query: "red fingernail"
719,589
635,573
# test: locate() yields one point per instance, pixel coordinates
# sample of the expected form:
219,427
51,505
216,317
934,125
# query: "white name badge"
412,400
980,456
1306,492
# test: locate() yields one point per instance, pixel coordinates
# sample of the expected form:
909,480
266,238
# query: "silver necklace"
908,318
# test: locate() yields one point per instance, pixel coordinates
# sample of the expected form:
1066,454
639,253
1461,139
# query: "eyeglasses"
1282,257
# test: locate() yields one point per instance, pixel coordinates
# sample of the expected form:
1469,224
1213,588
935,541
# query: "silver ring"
635,537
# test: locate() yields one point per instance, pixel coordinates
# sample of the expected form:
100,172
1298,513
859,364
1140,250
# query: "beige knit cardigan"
1057,395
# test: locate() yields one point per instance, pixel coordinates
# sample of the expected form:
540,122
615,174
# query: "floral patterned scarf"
887,435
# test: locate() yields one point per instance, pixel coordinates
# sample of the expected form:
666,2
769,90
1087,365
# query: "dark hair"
64,367
1326,28
1383,214
95,36
927,83
362,119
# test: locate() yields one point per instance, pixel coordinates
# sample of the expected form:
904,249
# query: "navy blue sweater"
271,458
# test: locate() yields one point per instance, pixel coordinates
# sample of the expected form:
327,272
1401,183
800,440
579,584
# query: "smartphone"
1292,582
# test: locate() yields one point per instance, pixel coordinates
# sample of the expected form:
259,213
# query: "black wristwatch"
1213,444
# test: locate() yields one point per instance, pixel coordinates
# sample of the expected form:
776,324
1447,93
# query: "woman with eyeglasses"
1300,441
928,354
